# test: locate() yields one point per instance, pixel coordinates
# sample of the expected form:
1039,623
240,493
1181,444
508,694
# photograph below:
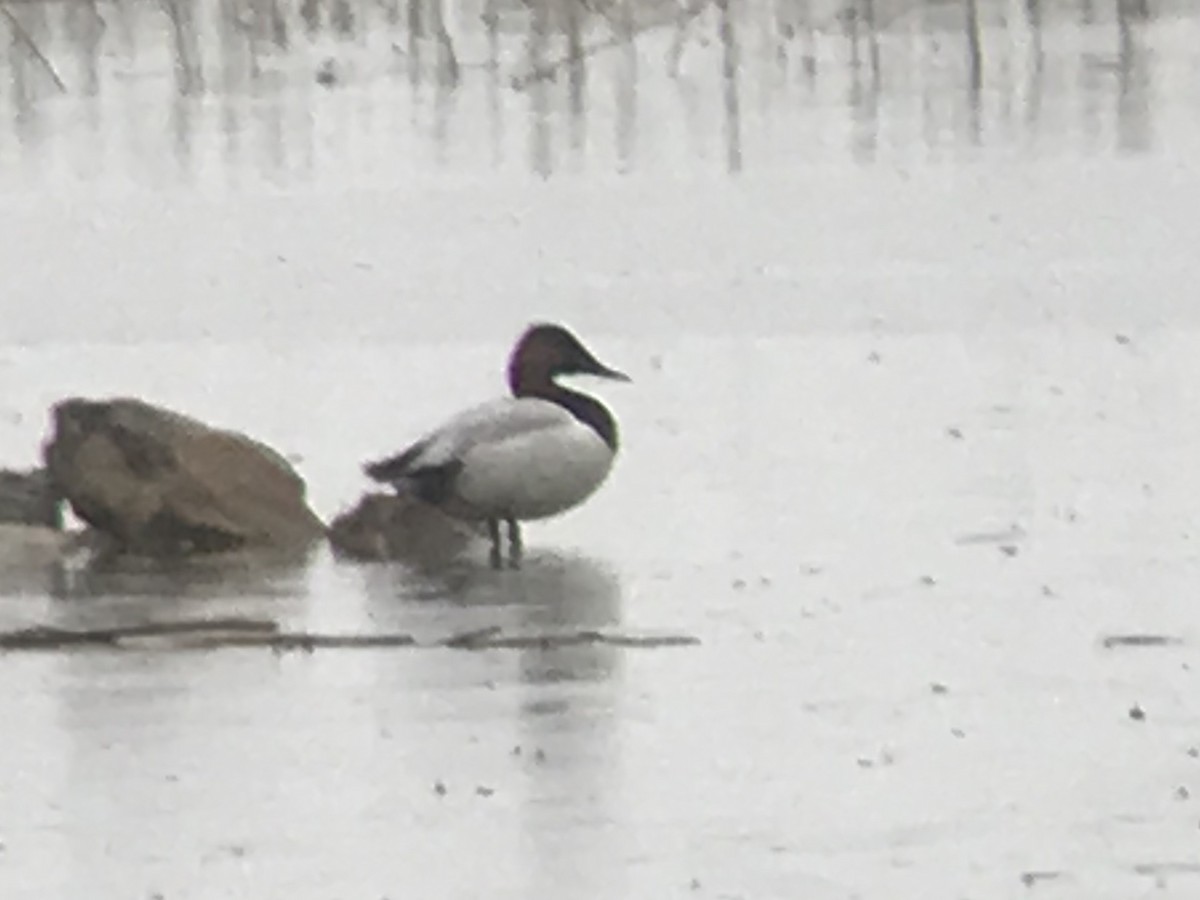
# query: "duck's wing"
437,457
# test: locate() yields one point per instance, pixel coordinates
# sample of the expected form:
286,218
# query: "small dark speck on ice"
326,75
1029,879
439,788
1137,713
484,791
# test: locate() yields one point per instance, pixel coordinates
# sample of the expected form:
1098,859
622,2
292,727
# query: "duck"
534,454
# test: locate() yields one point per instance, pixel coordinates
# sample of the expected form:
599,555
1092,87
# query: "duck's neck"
588,410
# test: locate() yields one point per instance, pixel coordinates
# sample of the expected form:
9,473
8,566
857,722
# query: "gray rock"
29,498
162,484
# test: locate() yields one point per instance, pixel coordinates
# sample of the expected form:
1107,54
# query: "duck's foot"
496,558
515,549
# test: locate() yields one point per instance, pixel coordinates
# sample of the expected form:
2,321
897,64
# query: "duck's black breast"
590,412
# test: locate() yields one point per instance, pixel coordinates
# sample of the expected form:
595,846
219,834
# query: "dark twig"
217,633
49,637
1140,640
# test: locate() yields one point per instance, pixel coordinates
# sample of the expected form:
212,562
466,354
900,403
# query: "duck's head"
546,351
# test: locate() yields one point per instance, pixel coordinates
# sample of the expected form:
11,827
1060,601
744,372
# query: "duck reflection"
557,596
568,724
553,705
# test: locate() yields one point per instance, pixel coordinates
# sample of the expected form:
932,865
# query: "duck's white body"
516,458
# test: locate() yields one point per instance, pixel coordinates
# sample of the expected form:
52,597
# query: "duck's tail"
394,469
407,474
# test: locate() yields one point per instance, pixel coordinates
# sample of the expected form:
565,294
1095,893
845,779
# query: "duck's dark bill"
602,371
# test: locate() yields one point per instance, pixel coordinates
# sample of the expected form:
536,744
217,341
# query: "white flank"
525,458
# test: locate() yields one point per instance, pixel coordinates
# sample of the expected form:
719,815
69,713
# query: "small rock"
439,788
955,433
1182,793
1137,713
1123,339
938,688
30,498
1009,550
401,528
484,791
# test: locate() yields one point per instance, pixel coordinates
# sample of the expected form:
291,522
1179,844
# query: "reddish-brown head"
546,351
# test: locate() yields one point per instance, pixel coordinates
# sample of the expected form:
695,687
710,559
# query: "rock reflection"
156,586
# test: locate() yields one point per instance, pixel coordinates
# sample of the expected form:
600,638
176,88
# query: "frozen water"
911,434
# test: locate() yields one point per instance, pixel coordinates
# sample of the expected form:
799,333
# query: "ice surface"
910,435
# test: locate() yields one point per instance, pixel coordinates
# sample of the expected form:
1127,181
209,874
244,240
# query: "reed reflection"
540,83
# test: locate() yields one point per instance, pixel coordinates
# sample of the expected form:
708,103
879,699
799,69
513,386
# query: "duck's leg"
515,549
494,534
